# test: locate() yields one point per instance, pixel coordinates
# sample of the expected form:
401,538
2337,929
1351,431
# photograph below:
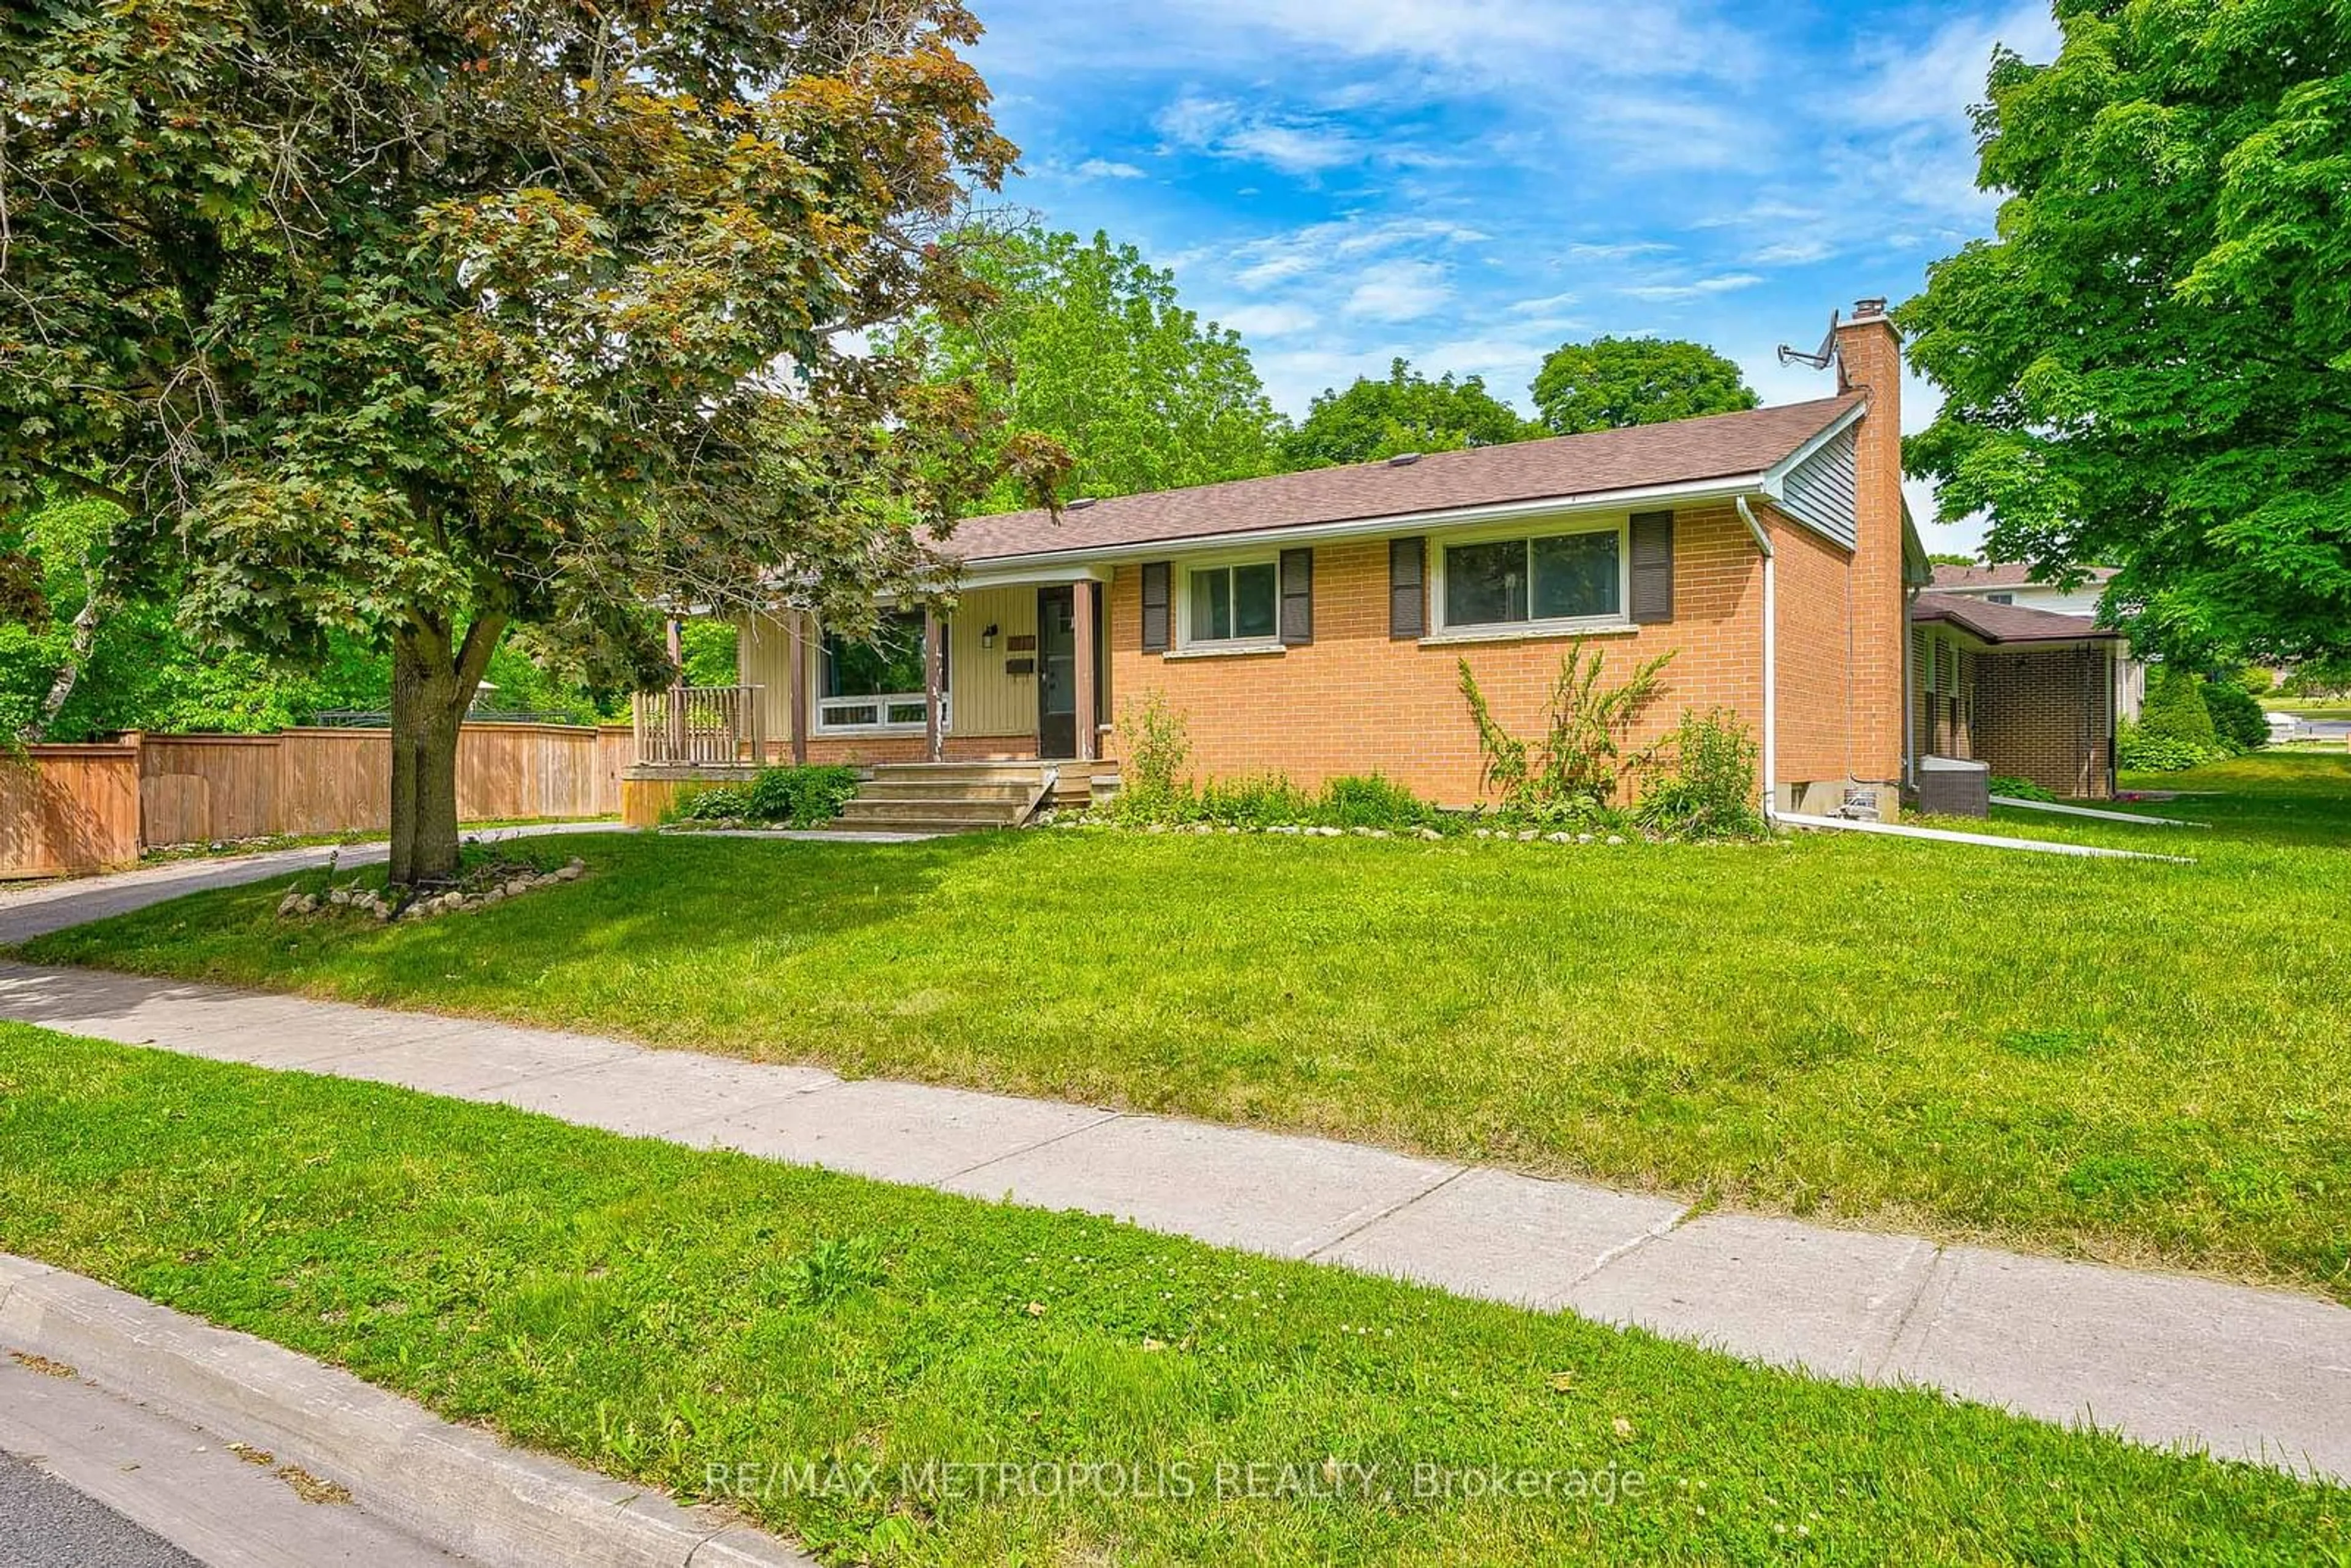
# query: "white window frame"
1185,642
1442,546
881,702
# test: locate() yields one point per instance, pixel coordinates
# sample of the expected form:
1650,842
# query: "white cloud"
1322,247
1623,251
1222,129
1399,290
1697,288
1501,41
1794,253
1103,169
1267,321
1907,85
1549,304
1292,149
1656,130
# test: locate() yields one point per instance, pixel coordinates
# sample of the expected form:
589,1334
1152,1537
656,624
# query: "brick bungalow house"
1310,624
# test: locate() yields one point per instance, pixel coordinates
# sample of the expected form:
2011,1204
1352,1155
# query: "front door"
1057,673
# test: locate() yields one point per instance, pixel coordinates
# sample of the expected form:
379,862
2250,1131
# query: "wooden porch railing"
700,725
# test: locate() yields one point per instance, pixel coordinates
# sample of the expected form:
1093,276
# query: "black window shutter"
1652,567
1157,577
1297,596
1408,588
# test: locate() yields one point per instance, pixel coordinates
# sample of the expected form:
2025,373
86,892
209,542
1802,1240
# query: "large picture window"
1235,603
875,684
1556,577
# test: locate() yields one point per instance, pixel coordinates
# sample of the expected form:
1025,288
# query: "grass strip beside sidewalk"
836,1352
2134,1062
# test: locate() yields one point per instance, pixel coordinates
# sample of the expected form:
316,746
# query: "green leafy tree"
67,675
1610,383
417,325
711,653
2151,363
2175,710
1406,412
2237,716
1090,348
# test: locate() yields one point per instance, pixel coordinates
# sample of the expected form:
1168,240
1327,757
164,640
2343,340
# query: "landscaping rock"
1615,838
1431,834
1559,837
517,887
1528,836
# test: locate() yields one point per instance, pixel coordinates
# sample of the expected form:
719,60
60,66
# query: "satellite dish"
1821,360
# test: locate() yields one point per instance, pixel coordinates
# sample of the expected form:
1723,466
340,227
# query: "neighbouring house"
1312,624
2013,582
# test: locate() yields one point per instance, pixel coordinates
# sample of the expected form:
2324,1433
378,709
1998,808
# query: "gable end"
1821,489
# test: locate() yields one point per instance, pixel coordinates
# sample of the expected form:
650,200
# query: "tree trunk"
433,685
85,636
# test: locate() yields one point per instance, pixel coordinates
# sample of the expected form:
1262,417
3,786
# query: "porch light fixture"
988,638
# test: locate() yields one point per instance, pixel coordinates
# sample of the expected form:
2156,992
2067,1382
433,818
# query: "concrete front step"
915,825
899,787
945,797
944,807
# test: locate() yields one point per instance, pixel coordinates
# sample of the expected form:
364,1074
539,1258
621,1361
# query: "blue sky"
1469,183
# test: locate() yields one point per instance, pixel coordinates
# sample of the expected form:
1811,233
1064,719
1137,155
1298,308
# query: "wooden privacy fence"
66,809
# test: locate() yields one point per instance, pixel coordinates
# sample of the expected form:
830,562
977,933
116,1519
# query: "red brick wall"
865,749
1815,582
1355,702
2047,715
1870,359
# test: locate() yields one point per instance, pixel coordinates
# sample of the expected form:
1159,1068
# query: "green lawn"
2140,1063
657,1311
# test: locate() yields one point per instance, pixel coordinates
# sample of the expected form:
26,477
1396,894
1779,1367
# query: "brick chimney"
1869,361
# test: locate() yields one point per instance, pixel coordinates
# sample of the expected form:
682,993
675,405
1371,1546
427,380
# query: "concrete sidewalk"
2258,1374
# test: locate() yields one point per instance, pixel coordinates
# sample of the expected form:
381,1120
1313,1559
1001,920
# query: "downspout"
1909,691
1771,659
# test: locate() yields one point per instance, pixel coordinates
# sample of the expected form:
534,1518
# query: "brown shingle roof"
2007,622
1685,450
2002,574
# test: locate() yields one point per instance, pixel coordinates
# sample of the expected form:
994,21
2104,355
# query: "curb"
454,1486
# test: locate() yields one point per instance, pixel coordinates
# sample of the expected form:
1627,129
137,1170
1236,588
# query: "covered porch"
2029,692
1017,671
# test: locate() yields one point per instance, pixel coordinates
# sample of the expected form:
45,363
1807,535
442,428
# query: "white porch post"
934,684
1082,618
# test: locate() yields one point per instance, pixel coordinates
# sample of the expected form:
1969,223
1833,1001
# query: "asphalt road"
44,1523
